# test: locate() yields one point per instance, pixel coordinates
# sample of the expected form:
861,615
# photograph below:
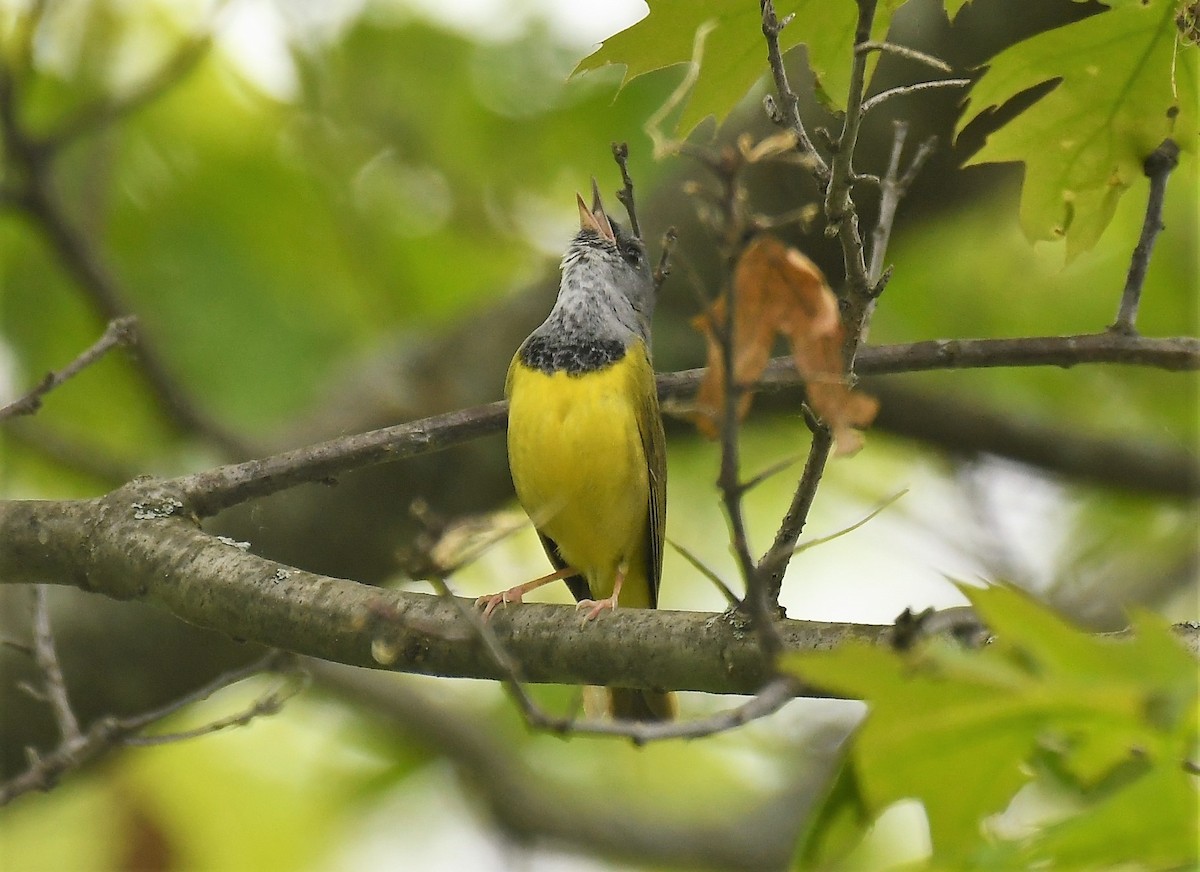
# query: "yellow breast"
579,466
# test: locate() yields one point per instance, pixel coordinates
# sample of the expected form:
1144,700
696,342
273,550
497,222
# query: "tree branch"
526,808
620,151
789,115
207,493
1158,168
120,331
131,544
905,52
107,734
35,196
903,90
54,690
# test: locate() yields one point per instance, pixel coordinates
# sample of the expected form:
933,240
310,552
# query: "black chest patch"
574,357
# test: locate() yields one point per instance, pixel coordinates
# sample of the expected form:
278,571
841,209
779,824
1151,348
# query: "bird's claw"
491,602
595,607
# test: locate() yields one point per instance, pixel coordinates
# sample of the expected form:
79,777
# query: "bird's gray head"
606,273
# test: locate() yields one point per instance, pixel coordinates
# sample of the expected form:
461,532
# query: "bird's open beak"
595,219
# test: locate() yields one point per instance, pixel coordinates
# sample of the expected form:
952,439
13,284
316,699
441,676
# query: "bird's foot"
595,607
493,601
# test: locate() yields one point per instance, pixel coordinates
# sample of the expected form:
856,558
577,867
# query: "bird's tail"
641,705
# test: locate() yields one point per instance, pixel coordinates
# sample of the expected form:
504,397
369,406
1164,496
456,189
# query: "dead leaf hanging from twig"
777,290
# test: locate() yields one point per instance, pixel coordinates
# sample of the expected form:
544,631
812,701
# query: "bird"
586,447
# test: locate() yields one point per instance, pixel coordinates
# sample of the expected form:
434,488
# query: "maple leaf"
734,54
1126,83
779,291
1103,722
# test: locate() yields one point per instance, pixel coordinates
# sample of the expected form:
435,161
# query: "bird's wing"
654,445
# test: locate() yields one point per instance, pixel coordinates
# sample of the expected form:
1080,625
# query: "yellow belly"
580,471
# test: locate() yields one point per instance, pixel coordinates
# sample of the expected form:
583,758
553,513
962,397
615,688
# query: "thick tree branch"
133,544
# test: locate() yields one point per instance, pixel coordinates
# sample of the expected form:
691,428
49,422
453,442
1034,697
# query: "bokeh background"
341,216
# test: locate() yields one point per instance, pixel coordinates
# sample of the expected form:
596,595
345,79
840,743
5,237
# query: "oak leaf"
779,291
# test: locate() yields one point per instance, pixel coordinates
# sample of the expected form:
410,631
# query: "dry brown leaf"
780,291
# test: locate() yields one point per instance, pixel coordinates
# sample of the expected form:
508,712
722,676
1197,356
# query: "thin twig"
266,704
905,52
699,565
32,160
842,216
888,201
120,331
1158,168
529,808
789,110
902,90
620,152
733,225
839,207
774,563
510,669
770,472
768,701
54,687
871,515
894,187
663,270
109,733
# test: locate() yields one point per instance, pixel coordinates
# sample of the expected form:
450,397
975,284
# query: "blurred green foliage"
411,176
1126,81
261,241
1110,724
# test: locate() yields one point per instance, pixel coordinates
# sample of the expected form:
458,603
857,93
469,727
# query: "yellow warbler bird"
585,437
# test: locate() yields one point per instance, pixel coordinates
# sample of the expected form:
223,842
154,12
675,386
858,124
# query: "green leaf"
735,53
1126,84
1151,823
837,824
963,731
953,7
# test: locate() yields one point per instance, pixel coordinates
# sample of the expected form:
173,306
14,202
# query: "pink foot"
595,607
515,594
490,603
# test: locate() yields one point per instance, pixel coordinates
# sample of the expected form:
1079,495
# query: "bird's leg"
595,607
515,594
